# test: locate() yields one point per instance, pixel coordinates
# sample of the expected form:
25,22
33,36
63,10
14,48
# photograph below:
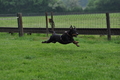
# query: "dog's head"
72,32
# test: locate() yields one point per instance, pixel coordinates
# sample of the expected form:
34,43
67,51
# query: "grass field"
64,21
26,58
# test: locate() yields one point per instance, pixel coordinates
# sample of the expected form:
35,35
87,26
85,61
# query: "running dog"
65,38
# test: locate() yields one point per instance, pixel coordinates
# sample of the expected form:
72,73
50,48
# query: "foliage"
83,3
72,5
24,6
38,6
103,5
33,6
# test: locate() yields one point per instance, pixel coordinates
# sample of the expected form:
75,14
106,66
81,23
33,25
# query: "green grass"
64,21
26,58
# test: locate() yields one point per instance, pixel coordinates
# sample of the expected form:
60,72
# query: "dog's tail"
53,32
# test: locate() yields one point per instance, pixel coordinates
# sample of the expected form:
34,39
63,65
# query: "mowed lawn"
26,58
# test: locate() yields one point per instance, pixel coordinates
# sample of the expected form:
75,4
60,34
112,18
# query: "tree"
57,6
83,3
24,6
37,6
72,5
103,5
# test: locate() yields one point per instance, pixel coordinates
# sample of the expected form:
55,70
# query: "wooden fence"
85,31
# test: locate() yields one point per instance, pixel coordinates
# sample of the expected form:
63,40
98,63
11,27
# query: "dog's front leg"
76,43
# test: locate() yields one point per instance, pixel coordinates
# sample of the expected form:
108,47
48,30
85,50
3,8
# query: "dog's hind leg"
49,40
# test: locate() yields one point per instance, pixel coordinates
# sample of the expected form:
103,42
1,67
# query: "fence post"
20,25
46,16
108,26
52,23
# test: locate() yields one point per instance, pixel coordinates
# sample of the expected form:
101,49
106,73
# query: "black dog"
65,38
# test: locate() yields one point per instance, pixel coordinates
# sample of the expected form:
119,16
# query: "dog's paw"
43,41
77,45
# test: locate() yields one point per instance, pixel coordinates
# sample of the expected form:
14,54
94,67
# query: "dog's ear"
74,27
71,27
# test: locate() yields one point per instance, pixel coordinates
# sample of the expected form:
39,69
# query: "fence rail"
85,31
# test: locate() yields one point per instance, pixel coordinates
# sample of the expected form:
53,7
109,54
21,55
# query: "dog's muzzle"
75,35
